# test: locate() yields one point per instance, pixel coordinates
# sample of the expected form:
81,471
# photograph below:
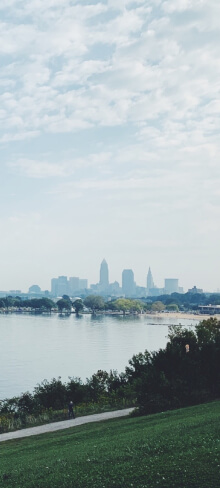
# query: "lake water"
38,347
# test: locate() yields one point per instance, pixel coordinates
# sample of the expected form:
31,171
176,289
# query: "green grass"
179,449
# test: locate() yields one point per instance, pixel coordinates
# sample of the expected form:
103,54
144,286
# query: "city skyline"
61,285
127,285
105,279
103,282
109,140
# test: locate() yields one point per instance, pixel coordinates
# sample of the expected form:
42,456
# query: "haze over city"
109,133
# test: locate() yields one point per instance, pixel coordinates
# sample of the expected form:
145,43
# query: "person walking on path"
70,411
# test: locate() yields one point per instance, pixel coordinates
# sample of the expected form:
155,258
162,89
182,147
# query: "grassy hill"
179,449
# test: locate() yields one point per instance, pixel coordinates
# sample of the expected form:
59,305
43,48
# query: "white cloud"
19,136
16,38
38,169
69,90
116,106
45,169
171,6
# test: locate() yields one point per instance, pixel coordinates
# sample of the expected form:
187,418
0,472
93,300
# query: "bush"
173,377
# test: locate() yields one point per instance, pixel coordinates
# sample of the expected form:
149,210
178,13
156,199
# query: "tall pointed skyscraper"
104,280
150,281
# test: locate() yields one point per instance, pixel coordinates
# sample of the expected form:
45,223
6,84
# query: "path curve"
64,424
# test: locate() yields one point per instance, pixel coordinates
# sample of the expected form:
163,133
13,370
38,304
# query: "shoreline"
169,315
179,315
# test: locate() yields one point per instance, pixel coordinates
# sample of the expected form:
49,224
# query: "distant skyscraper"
73,284
150,281
171,285
59,286
128,284
63,286
83,284
54,287
104,280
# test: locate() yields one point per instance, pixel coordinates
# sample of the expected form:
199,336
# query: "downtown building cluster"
63,286
76,286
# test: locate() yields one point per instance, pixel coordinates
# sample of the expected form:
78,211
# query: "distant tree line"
188,301
43,304
95,303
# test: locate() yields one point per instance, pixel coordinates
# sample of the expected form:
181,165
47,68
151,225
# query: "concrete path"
65,424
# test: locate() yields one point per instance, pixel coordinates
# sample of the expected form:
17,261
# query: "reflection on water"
38,347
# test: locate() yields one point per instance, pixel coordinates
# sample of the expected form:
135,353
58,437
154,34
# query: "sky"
109,140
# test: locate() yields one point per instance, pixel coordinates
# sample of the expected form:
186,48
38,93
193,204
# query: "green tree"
63,304
186,372
34,303
110,305
78,305
208,331
136,306
2,303
208,337
172,307
98,384
46,303
77,391
66,297
147,306
17,302
51,394
123,305
8,302
157,306
94,302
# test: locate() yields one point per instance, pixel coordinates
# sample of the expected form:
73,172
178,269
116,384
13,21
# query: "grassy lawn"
174,449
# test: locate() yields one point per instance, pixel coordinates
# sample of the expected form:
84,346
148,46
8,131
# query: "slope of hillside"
179,449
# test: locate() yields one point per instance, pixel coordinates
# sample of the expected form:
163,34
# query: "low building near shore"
209,309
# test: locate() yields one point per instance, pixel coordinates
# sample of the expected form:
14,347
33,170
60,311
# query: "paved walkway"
65,424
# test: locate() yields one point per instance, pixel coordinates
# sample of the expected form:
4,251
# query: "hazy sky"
109,140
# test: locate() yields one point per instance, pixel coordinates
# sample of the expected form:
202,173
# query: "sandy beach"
180,316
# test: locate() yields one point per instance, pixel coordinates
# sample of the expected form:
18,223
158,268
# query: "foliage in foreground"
178,449
186,372
49,401
167,379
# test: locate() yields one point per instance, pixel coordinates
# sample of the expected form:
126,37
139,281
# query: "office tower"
171,285
128,284
114,288
83,284
54,287
73,284
150,281
104,281
62,286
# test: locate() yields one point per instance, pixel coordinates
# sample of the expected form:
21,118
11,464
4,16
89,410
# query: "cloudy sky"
109,140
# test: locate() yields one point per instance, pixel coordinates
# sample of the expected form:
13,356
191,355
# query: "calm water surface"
37,347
